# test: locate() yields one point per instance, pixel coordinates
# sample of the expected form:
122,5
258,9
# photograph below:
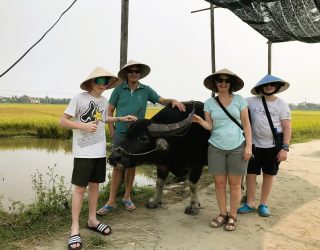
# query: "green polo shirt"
129,102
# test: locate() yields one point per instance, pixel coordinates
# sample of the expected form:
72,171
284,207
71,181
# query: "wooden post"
269,57
213,52
124,32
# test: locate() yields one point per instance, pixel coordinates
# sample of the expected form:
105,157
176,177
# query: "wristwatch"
285,147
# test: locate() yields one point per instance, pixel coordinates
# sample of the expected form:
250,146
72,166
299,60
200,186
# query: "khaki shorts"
222,162
87,170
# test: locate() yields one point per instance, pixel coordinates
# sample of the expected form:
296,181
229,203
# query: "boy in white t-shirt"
86,115
266,157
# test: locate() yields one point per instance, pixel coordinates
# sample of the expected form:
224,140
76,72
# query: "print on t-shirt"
92,113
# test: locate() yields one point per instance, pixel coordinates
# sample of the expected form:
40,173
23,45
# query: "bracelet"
117,119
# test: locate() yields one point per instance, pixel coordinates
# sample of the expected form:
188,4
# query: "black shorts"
265,159
87,170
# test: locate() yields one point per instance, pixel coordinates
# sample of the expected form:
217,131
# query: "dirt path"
294,224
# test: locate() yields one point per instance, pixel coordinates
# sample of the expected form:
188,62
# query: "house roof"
278,20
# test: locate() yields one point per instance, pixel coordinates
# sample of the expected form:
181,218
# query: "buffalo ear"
162,144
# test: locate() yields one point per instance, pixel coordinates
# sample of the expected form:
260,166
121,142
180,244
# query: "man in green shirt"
130,97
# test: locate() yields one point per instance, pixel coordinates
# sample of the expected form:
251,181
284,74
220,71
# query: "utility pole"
124,32
269,57
213,52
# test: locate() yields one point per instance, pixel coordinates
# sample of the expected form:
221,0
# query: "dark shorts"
87,170
265,159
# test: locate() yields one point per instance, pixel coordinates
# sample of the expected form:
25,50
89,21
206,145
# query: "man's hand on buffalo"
179,105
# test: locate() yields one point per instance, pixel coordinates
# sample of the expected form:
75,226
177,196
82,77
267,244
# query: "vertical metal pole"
269,57
213,52
124,32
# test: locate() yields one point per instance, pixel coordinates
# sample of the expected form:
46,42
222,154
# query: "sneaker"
245,208
263,210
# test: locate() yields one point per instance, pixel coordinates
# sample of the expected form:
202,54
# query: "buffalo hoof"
151,204
192,210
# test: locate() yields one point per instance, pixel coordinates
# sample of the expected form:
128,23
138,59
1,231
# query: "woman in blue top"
228,151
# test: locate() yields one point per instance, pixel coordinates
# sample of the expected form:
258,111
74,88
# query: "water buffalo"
173,143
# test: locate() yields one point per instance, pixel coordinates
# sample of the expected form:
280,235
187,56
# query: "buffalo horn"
172,128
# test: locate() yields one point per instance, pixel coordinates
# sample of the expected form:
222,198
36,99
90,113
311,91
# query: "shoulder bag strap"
227,113
268,116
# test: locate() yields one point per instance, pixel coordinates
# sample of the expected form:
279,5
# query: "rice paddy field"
41,120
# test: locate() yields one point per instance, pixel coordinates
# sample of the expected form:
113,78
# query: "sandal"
106,209
100,228
74,240
231,224
219,221
128,205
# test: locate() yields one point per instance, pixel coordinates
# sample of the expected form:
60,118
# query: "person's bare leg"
128,181
221,196
221,193
93,193
251,181
77,198
235,193
115,182
266,188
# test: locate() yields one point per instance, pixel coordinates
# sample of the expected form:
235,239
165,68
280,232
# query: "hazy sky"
162,33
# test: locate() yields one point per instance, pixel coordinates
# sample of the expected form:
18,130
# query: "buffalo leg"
194,204
162,174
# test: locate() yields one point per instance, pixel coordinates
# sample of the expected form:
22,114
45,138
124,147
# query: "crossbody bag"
235,121
228,114
277,136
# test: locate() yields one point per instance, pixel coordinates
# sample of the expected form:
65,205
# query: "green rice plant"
305,126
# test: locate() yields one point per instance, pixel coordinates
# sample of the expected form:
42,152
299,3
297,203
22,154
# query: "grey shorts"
221,162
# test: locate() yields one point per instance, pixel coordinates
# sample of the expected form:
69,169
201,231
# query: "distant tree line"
50,100
304,106
35,100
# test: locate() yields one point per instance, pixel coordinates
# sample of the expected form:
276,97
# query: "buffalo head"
146,141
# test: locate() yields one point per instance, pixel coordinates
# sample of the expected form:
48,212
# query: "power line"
38,40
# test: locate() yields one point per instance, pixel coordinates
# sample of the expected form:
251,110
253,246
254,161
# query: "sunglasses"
221,80
101,81
137,71
271,84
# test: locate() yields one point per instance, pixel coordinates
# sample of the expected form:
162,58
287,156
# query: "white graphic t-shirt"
86,108
261,131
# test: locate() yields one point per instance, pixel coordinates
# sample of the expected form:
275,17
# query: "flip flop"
106,209
74,239
100,228
128,205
